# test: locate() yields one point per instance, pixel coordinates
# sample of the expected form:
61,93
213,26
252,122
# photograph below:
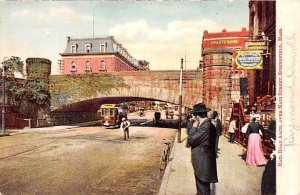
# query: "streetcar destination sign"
248,60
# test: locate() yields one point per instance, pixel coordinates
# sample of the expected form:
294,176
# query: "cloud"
51,15
47,32
21,13
164,46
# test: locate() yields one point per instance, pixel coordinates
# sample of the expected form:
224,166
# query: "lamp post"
180,103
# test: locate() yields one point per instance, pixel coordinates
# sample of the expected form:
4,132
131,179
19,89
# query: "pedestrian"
218,125
255,155
190,121
125,127
202,138
231,130
268,182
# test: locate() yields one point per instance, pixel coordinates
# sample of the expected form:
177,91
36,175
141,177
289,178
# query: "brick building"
262,26
93,55
221,78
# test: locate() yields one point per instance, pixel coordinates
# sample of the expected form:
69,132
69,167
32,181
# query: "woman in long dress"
255,155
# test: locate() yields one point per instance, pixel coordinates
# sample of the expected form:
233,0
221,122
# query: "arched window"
103,47
88,66
73,67
102,66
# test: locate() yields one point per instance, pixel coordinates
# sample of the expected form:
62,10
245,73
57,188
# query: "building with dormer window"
93,55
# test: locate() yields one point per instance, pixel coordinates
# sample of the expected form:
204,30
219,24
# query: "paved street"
87,160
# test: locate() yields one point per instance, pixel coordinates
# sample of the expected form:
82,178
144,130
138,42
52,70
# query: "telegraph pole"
3,96
180,103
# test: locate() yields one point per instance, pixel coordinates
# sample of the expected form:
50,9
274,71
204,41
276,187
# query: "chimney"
68,39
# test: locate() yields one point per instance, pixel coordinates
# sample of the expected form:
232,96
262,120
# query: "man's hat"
200,108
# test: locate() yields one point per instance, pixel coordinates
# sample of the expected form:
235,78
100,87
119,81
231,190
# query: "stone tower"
217,64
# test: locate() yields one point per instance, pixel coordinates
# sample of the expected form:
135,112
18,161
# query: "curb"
165,180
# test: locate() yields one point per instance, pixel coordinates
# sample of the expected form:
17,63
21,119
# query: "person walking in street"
202,139
218,125
231,130
125,127
255,155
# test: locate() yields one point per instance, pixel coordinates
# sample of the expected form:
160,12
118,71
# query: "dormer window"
74,48
103,47
88,47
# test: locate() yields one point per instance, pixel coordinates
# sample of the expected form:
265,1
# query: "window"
88,66
102,66
73,67
88,47
73,48
103,47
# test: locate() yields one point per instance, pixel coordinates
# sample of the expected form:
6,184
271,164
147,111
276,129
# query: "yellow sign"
256,43
219,42
257,48
248,60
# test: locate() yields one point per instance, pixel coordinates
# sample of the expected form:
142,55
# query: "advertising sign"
258,46
248,60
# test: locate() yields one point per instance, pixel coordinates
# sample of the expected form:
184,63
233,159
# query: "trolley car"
111,114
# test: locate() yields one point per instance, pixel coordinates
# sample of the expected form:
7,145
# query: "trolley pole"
180,103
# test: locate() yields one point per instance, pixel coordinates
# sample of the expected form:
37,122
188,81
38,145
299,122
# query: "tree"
27,97
11,66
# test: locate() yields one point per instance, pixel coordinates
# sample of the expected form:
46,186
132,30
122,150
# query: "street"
85,160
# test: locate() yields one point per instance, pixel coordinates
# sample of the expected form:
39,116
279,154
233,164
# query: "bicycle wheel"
162,161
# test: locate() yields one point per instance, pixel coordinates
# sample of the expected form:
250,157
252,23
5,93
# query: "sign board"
248,60
258,46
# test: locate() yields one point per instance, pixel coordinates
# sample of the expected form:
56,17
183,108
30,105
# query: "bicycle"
165,154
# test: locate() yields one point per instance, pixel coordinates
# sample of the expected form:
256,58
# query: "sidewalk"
235,177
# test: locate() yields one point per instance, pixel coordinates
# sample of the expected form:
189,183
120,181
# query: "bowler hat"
200,108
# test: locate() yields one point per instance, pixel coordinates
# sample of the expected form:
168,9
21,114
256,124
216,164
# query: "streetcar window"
106,112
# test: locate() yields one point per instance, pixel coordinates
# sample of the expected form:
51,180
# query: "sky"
161,32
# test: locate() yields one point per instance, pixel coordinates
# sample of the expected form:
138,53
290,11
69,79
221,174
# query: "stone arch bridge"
85,92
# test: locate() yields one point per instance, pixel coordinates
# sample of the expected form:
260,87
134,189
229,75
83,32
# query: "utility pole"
3,97
180,103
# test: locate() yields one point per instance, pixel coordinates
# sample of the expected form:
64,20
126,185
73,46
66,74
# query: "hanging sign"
258,46
248,60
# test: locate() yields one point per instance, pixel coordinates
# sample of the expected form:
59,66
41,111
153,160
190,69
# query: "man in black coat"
268,182
202,139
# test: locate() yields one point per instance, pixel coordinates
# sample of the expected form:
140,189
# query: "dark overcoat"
202,140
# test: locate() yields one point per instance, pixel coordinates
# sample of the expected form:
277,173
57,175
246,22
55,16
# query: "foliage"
87,86
26,97
13,65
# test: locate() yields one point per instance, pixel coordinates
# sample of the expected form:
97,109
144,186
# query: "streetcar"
111,114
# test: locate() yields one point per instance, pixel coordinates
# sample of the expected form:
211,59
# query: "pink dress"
255,155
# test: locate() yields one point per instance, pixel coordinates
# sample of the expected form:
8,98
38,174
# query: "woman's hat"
200,108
